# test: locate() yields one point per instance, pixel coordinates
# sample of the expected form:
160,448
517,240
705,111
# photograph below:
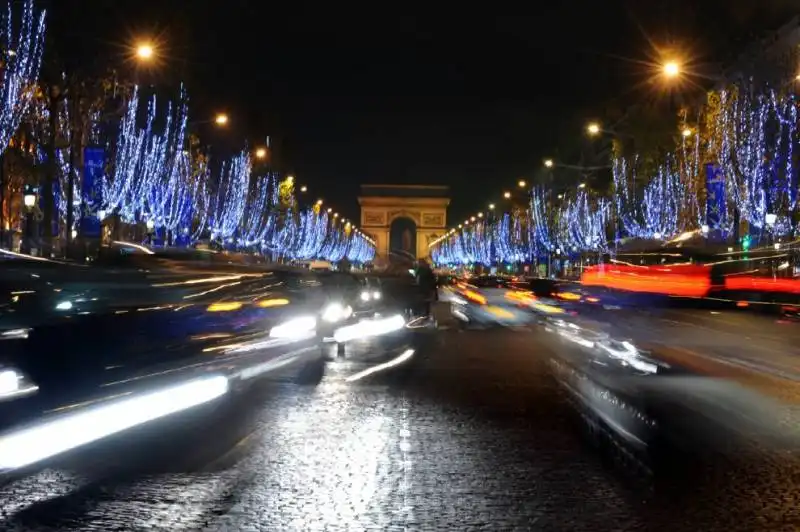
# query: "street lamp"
671,69
222,119
521,183
548,163
480,215
29,199
491,206
303,188
686,132
582,185
471,218
319,202
261,153
329,210
145,52
593,128
506,195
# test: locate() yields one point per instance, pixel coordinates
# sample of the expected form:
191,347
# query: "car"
90,351
356,306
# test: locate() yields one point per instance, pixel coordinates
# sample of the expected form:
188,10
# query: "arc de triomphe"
404,218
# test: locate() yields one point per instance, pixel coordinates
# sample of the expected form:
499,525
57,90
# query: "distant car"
489,281
544,294
89,351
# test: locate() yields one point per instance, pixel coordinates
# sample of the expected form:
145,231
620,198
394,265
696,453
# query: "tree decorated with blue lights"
231,198
654,211
757,133
543,224
582,223
258,219
123,178
22,46
164,174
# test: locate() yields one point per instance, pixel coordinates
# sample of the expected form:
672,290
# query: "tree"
21,47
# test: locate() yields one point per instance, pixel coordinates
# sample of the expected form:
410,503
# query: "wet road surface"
472,432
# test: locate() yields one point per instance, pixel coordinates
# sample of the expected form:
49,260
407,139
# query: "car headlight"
376,295
364,296
13,384
294,328
336,312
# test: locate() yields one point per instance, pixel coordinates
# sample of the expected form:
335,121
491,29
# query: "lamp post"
770,218
29,201
150,224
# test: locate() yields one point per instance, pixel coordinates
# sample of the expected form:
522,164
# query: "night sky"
467,100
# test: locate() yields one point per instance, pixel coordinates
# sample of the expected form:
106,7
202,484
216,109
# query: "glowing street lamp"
261,153
145,52
582,185
491,206
304,189
480,215
471,218
686,132
330,210
521,183
671,69
29,199
506,195
593,128
319,202
548,163
222,120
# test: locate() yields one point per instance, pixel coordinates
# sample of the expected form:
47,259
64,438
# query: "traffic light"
746,242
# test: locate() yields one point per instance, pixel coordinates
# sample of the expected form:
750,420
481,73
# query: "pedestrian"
426,281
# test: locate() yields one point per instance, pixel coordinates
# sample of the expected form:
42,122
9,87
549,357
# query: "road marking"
405,355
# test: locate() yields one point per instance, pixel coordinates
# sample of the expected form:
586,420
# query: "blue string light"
231,198
21,60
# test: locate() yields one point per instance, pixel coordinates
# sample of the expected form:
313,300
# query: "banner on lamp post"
92,191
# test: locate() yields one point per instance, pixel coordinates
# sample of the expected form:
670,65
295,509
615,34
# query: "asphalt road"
472,432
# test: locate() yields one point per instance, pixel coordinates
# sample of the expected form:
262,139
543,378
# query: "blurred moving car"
358,306
89,351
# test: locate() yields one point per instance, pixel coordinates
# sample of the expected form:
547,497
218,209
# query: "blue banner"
92,191
715,196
